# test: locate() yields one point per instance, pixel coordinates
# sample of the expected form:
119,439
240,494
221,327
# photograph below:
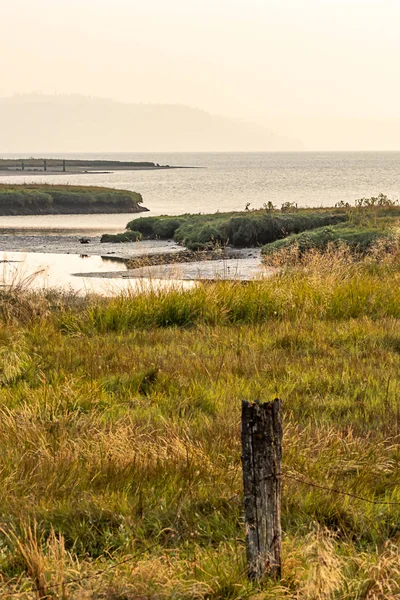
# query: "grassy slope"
356,237
120,420
364,228
48,199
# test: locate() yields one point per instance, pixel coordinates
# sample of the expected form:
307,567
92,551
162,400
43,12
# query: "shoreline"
71,244
148,259
244,265
89,210
49,172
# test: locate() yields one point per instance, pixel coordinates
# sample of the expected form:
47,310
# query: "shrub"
165,228
200,235
156,227
126,236
381,200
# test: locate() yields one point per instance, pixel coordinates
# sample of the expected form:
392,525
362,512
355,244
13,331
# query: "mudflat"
71,244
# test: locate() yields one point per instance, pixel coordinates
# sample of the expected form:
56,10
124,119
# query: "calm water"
227,182
66,271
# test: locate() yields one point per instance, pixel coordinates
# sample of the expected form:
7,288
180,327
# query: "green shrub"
156,227
165,228
126,236
198,235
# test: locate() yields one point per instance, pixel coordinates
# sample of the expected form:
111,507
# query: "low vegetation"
357,238
117,238
251,228
120,434
66,199
369,221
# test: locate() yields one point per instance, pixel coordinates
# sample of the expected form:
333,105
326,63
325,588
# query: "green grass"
198,232
357,238
117,238
50,199
120,434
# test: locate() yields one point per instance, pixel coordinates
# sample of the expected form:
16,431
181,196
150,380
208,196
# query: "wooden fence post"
261,459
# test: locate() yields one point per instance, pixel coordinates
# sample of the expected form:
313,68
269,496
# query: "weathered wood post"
261,459
64,165
45,165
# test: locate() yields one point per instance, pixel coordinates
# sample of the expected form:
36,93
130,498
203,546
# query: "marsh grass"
240,229
48,199
120,434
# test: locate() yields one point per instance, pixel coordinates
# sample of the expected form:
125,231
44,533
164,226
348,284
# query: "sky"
247,59
241,58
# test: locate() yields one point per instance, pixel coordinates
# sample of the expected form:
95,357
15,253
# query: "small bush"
200,236
127,236
156,227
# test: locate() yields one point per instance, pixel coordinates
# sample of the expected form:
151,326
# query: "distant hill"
38,123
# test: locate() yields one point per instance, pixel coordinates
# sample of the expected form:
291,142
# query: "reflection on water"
61,271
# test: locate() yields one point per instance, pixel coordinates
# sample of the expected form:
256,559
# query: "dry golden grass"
120,446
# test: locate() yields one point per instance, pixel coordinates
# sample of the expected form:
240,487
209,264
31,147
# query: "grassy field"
120,435
21,199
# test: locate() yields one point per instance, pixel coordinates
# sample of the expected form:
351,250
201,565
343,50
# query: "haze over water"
227,182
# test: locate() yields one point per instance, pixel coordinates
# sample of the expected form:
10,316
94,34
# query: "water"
35,270
227,182
223,182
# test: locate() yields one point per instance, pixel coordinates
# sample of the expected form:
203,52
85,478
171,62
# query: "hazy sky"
245,58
